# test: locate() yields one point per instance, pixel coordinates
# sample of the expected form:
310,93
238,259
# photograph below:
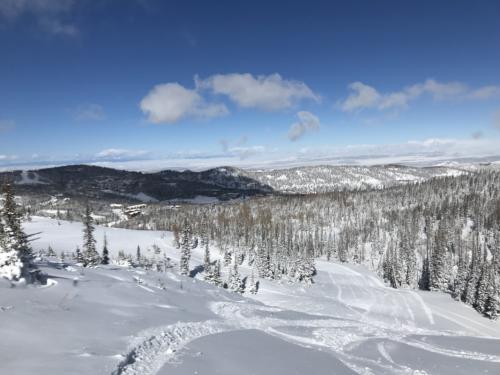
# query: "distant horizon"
152,166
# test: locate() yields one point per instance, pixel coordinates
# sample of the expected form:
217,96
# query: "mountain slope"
222,182
112,320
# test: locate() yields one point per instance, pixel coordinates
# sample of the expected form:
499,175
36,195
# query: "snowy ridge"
321,179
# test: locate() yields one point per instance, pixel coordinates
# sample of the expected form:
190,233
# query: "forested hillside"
442,234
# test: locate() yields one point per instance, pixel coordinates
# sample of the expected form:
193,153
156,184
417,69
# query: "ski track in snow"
160,345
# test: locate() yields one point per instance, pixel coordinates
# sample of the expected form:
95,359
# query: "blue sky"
243,82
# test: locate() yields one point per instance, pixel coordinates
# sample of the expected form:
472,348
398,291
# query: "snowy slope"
120,321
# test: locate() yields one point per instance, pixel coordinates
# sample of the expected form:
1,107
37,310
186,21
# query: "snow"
113,320
30,178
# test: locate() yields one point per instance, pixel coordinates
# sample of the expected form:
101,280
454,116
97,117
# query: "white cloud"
90,112
6,125
8,157
307,122
120,154
170,102
269,93
364,96
50,14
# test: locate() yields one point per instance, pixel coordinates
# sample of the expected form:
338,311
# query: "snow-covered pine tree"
185,249
438,278
207,267
254,284
492,303
105,252
234,282
138,257
460,280
475,266
78,255
90,255
51,252
216,276
10,262
16,257
483,285
227,258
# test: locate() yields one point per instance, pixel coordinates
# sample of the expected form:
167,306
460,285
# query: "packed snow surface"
114,320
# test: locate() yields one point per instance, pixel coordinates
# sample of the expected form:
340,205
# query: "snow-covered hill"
111,320
223,182
321,179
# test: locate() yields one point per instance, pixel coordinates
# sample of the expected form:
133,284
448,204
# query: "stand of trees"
442,234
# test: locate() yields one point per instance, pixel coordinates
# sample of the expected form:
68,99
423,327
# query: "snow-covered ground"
112,320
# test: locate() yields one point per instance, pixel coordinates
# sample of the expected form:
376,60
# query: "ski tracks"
160,344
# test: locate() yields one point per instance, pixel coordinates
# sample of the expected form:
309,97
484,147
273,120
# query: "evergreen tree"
105,252
207,267
185,249
90,255
51,252
78,256
424,282
492,303
254,285
460,280
216,278
438,278
234,282
138,257
483,285
16,256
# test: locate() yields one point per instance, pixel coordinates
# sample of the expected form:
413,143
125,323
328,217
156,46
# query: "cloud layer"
363,96
171,102
121,154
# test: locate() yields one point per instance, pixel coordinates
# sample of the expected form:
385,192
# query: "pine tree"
16,256
51,252
216,278
138,257
492,303
460,280
105,252
470,292
90,255
78,256
482,288
207,267
438,279
424,282
234,282
254,285
185,249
